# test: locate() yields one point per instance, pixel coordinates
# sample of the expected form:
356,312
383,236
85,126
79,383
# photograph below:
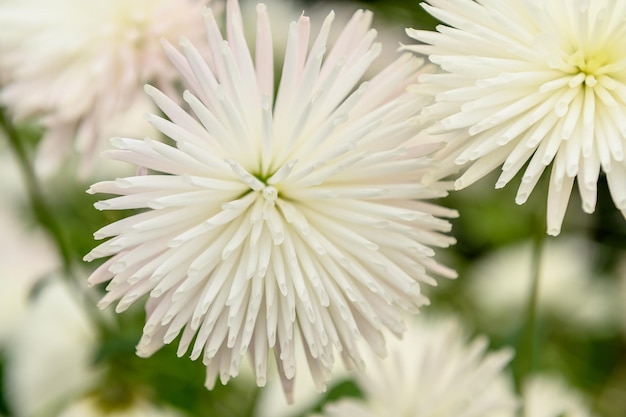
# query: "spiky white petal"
78,67
434,372
531,83
276,223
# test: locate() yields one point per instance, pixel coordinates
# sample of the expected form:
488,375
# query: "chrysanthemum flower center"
270,193
589,64
266,189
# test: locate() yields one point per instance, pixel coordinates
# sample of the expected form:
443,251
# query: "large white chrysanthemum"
78,66
434,372
271,224
534,81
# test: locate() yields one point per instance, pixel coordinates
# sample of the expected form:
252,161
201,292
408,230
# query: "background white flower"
49,355
499,285
275,224
90,407
78,67
549,396
541,82
20,243
434,371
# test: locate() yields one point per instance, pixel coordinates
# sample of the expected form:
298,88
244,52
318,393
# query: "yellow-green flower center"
588,63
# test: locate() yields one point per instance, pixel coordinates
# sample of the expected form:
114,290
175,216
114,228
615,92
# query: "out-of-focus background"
53,363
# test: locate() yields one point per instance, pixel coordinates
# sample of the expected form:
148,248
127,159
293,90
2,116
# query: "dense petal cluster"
78,66
274,223
531,83
434,372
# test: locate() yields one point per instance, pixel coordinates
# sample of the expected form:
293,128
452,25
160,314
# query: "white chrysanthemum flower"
536,81
434,372
275,223
79,66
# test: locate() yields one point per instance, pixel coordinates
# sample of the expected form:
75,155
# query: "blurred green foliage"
164,378
4,408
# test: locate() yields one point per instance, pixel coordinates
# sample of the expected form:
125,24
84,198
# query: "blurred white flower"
91,407
500,284
18,273
78,67
20,243
49,356
542,82
434,372
271,225
548,396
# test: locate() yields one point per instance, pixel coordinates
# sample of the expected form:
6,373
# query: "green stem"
527,348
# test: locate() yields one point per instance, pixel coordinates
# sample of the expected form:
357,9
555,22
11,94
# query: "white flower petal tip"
275,228
428,373
554,231
92,63
524,85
